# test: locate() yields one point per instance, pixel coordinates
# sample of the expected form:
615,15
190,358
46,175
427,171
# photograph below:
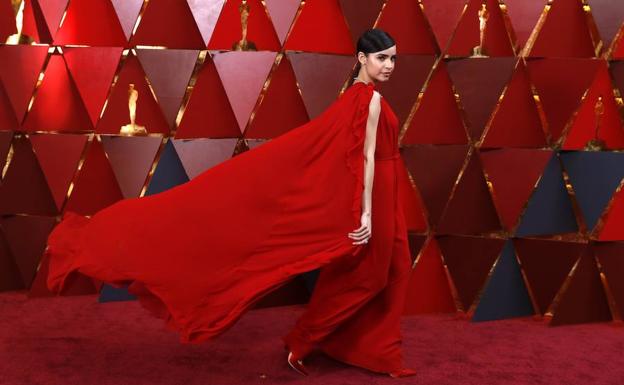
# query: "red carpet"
75,340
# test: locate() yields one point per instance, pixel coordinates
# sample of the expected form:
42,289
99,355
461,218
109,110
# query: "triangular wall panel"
117,113
565,32
333,38
243,85
92,23
469,260
513,174
170,24
428,288
437,119
282,108
208,98
319,88
168,72
59,156
435,170
260,31
505,295
57,106
92,70
546,265
497,40
406,23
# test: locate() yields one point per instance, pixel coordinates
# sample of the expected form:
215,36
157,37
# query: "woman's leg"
346,285
372,337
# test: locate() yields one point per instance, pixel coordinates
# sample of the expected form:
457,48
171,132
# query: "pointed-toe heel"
405,372
297,364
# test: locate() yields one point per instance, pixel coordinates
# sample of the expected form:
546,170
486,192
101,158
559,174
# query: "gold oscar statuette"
597,144
243,44
132,128
484,15
19,37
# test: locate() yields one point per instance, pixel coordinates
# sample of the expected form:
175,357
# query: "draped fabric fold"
202,253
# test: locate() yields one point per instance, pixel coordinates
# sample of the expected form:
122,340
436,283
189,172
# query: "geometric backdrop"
513,191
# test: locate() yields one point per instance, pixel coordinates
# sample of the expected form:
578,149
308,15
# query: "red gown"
202,253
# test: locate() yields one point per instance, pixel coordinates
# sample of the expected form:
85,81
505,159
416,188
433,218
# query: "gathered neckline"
371,84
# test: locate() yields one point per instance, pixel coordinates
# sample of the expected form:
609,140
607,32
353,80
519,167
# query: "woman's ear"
362,57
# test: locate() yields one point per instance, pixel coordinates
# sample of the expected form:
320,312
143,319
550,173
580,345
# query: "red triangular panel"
408,78
406,23
228,31
524,16
57,105
24,189
496,40
282,14
560,84
208,113
435,170
170,24
127,13
26,237
546,264
513,173
469,260
480,83
516,122
116,113
131,159
169,72
565,33
282,108
20,66
96,186
53,11
92,69
470,209
332,38
437,119
243,87
58,156
413,208
319,88
584,300
360,15
585,126
90,22
199,155
612,228
443,16
428,290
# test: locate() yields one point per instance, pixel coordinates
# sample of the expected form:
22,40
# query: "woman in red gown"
323,195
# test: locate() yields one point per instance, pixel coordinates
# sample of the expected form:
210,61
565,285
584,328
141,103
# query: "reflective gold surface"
132,128
597,144
19,38
243,44
483,15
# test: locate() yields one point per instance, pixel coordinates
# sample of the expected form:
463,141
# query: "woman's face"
379,65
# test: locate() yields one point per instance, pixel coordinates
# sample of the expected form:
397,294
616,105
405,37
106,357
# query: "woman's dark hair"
372,40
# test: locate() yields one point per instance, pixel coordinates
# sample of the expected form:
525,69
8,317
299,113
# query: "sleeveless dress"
355,310
202,253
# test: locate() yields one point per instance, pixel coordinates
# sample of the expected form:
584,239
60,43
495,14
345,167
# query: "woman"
202,253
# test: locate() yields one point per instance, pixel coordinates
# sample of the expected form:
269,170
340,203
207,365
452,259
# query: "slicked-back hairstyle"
372,40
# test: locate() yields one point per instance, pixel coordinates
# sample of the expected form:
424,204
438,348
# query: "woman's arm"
362,234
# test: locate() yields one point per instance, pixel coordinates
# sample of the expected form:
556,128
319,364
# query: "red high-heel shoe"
297,364
405,372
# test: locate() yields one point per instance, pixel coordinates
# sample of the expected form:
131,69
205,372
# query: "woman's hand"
364,232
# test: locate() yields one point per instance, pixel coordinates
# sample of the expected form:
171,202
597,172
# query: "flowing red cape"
200,254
